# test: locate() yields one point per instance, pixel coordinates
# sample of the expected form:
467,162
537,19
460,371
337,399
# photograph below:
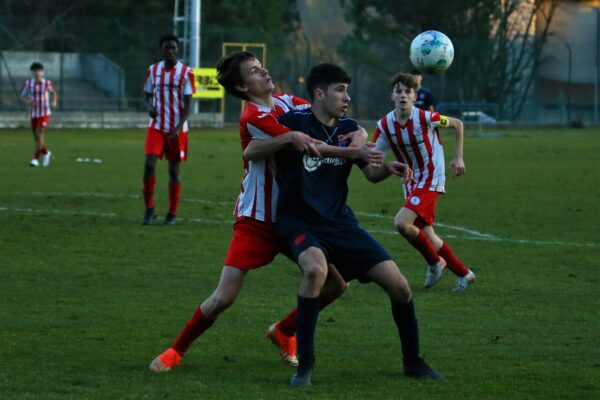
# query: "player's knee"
401,291
315,272
402,226
221,303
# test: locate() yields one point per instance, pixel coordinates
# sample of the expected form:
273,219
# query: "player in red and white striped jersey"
35,94
412,136
169,87
254,242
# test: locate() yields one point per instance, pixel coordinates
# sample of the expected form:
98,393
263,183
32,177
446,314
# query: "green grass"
88,296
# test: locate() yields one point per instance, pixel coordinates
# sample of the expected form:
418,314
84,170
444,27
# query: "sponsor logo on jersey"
313,163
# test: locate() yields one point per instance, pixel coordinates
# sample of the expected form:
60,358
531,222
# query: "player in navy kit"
318,226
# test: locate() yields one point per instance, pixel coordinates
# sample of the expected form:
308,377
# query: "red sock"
192,330
37,154
287,326
44,150
148,191
174,192
454,264
422,243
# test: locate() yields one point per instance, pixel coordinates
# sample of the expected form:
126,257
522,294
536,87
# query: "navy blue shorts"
352,250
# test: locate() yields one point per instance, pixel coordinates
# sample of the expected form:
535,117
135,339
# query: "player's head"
327,86
243,76
404,90
169,45
37,69
418,76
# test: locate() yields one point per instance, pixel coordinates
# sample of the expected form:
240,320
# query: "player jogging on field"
254,242
319,227
35,94
411,135
168,93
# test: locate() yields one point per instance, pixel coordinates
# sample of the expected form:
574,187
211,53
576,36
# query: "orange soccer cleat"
167,360
286,344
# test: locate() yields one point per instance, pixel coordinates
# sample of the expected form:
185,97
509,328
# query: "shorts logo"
311,163
299,239
415,201
182,154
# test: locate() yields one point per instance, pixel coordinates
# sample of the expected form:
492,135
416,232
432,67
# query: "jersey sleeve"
189,83
381,140
149,82
300,103
264,126
435,119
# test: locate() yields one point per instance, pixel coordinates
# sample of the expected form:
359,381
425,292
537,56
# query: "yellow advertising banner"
207,86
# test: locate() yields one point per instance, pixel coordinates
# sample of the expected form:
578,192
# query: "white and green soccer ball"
432,52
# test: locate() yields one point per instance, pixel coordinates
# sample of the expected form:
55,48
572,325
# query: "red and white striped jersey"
168,86
37,92
417,144
259,191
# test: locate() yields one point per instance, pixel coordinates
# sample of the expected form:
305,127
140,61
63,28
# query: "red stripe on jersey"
161,99
190,74
415,147
154,99
425,132
172,100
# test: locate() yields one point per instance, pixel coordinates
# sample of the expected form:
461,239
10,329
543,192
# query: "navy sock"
306,324
408,328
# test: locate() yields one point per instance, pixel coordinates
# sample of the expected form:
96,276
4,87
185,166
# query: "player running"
35,94
169,87
254,242
411,135
319,227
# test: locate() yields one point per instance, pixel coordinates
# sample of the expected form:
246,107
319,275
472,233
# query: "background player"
254,242
410,133
315,222
35,94
169,87
424,98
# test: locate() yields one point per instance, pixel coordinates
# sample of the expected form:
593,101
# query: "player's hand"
401,169
152,112
174,134
357,138
458,166
368,154
53,105
305,144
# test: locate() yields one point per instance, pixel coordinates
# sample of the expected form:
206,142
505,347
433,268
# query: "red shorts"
39,123
422,202
254,244
159,144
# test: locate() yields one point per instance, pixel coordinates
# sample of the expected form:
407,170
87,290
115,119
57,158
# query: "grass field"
88,296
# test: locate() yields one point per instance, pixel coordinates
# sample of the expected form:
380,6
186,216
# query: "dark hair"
323,75
407,80
168,38
35,66
229,73
416,72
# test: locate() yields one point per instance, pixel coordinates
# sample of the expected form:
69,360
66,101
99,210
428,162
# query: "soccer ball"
431,51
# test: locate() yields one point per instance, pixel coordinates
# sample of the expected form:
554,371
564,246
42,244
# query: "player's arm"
149,106
261,148
25,95
389,168
366,153
185,114
53,96
457,165
358,138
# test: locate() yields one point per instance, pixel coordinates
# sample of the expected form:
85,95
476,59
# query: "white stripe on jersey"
257,133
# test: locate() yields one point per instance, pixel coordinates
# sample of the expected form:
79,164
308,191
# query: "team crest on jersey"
311,163
415,201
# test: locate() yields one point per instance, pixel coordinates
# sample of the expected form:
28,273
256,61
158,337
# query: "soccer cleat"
34,163
149,216
463,281
166,361
46,158
170,219
303,375
434,273
420,370
286,344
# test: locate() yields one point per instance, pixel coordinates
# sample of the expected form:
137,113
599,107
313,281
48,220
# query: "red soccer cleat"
286,344
167,360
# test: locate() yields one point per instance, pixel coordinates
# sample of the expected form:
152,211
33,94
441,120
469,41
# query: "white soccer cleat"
463,281
434,273
46,158
34,163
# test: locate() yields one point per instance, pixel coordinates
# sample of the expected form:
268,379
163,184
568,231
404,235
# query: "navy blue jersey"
313,191
424,99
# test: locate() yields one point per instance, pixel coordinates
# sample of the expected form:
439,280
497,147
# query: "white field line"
55,211
474,234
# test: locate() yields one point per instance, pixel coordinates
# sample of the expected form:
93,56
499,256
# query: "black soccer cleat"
149,216
303,375
420,370
170,219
